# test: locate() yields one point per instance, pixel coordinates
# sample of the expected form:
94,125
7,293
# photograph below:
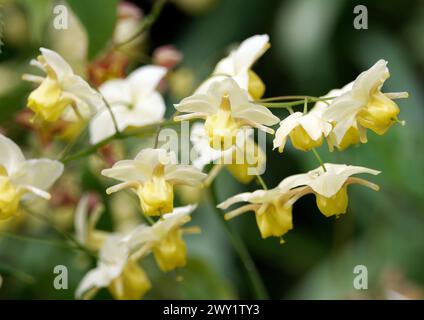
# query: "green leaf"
98,18
38,13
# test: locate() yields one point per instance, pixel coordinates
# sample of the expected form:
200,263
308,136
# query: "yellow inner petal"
47,100
379,114
351,137
248,157
335,205
132,284
302,141
171,252
275,220
256,86
156,196
221,127
9,198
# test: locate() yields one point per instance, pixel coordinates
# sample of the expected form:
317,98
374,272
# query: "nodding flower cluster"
228,102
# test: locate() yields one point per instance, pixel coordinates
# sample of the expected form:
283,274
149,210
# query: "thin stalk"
262,182
63,233
112,115
255,280
33,239
278,98
155,146
146,24
291,103
20,275
297,97
73,142
121,136
316,154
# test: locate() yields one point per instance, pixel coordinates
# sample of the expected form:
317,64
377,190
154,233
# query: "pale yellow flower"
61,92
360,106
226,108
306,131
21,179
272,208
164,238
116,270
152,175
245,159
330,186
238,65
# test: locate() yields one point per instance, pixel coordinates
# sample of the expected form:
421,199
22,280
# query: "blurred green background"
314,48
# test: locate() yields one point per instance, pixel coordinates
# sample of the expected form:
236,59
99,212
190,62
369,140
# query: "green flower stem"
148,129
112,115
63,233
22,276
238,245
316,154
262,182
278,98
146,24
73,142
291,103
34,239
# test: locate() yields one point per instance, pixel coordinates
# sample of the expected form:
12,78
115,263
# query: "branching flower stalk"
255,279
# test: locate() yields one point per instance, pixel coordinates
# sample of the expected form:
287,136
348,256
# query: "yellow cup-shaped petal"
171,252
379,114
47,100
132,284
335,205
351,137
256,86
9,198
240,172
221,127
302,141
156,196
274,221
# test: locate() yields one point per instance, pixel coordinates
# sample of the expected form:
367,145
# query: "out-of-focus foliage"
99,24
314,48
